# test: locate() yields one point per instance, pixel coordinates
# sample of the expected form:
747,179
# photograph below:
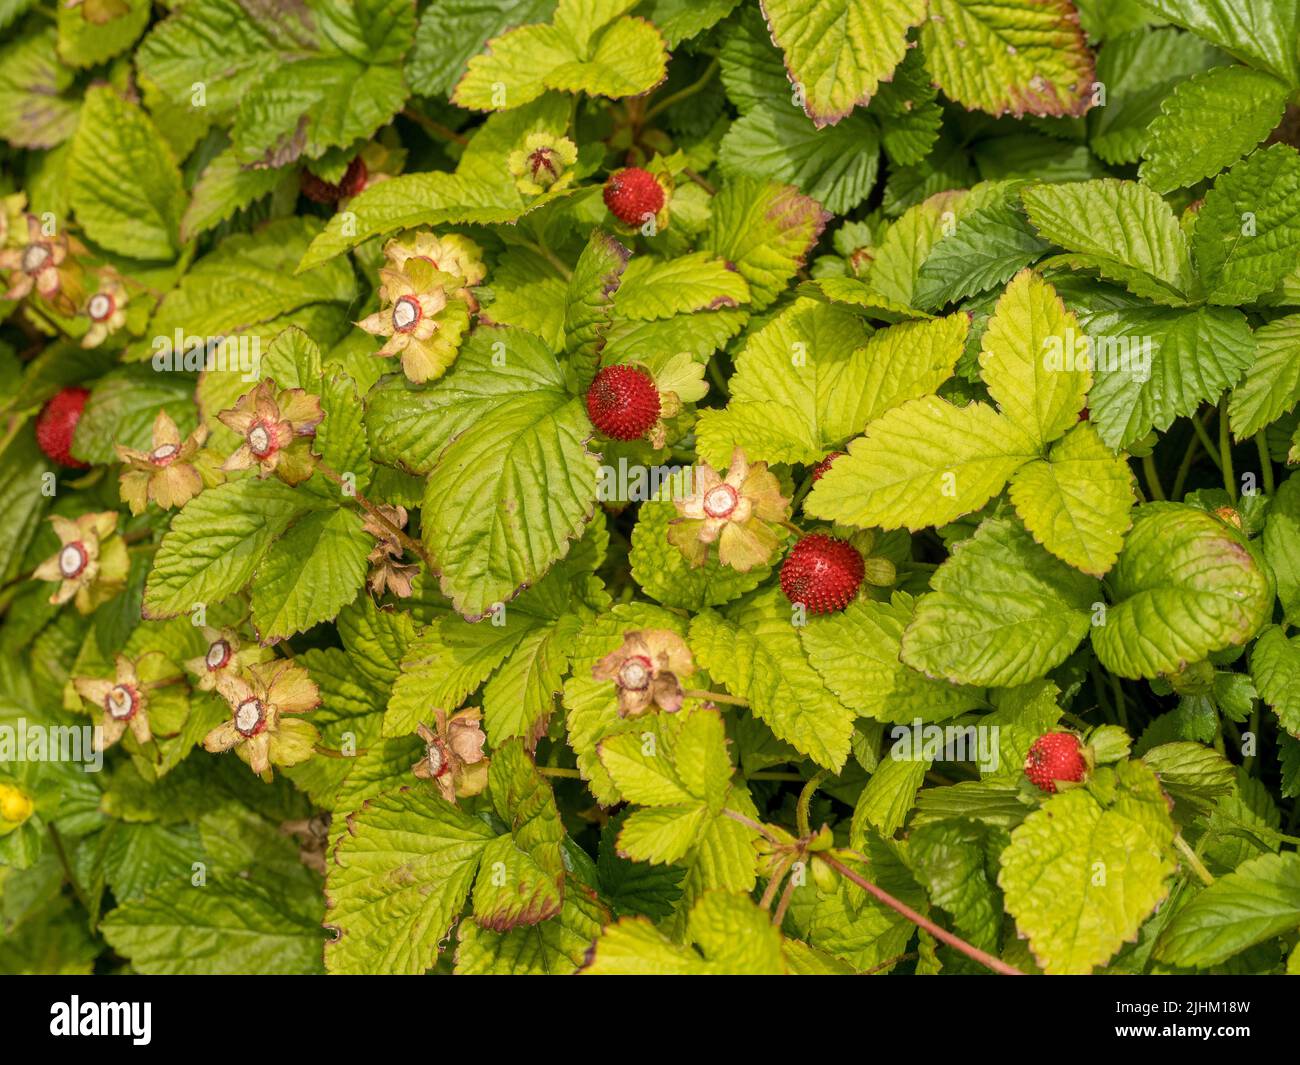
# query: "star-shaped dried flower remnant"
36,263
741,513
258,730
121,701
647,670
164,474
91,563
106,309
277,427
388,568
453,754
543,163
224,657
420,322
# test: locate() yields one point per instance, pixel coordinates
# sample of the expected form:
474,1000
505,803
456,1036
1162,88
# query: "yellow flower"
421,323
164,474
224,657
453,754
543,163
122,703
106,309
258,731
740,513
646,669
276,427
92,563
16,807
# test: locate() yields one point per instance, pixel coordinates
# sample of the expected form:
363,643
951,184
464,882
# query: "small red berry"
1055,756
823,573
632,194
56,424
820,469
318,191
623,402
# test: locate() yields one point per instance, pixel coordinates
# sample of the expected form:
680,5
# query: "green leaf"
660,288
1186,584
1120,228
1248,233
1260,899
1076,502
589,302
451,32
837,167
1154,364
140,217
729,932
857,654
36,110
216,542
635,888
1275,668
310,573
122,407
1003,611
888,798
227,927
949,859
83,42
1271,386
923,463
765,230
839,52
23,467
1260,35
225,187
1016,56
555,947
1209,122
1081,878
1282,545
811,378
755,651
399,879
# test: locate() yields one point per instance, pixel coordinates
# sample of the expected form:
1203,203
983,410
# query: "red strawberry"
820,469
823,573
632,194
318,191
623,402
1055,756
56,424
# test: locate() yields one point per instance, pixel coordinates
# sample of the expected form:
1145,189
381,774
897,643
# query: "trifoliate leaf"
837,53
857,654
216,542
765,230
139,218
554,947
729,933
1255,902
754,650
1192,773
399,879
811,378
1185,585
1017,56
1123,230
923,463
1076,502
1209,122
982,625
1248,234
908,242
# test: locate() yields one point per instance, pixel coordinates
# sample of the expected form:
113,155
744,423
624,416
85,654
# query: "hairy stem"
805,800
437,129
677,97
716,697
1152,476
1225,451
1265,462
941,934
1193,860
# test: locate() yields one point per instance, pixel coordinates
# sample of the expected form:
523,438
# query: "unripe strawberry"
633,193
623,402
823,573
1055,757
318,191
56,424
